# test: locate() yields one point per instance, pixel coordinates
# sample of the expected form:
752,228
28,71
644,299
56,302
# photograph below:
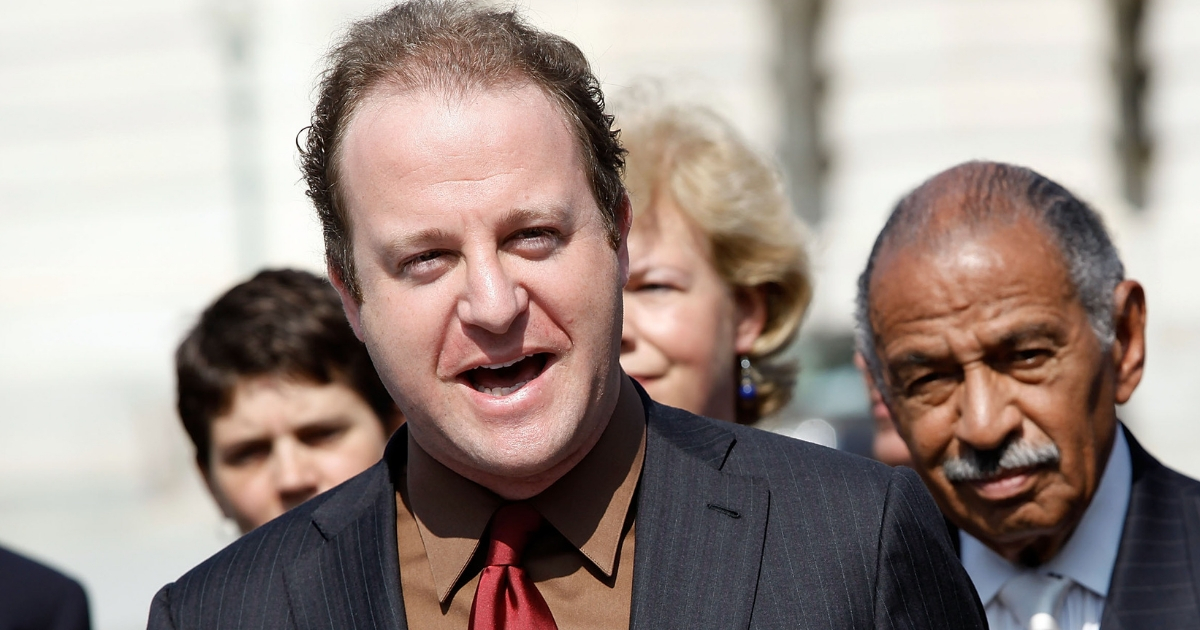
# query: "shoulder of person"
256,563
803,478
754,452
17,570
33,594
1147,467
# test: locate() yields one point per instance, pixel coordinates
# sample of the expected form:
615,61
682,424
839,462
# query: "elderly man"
995,312
468,181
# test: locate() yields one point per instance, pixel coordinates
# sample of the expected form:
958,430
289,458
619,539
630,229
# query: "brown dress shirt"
582,561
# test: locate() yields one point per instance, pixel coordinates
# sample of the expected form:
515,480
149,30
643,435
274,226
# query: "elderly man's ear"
1129,345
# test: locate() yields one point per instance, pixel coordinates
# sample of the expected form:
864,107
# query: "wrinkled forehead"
966,265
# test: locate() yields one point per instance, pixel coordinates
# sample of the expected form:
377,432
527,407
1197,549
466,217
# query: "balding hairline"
997,195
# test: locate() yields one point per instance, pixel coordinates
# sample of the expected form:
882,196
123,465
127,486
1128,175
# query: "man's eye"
534,241
1026,359
928,381
315,436
246,454
424,258
424,263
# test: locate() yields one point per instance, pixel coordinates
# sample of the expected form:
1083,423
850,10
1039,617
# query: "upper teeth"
497,366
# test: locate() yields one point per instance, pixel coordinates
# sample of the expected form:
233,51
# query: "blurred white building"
147,162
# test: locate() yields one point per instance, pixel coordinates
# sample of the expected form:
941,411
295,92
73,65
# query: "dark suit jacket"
36,597
1156,578
736,528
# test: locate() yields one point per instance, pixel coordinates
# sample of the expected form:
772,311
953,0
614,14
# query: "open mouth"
502,379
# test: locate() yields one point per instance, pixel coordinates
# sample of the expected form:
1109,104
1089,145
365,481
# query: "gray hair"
975,465
991,193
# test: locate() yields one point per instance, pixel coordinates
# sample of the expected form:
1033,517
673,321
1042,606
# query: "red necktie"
506,598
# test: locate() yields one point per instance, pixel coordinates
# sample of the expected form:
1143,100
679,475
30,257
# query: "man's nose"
492,299
986,417
295,477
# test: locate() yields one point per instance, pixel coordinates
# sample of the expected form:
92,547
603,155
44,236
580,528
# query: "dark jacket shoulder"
839,541
782,460
1156,577
32,595
244,583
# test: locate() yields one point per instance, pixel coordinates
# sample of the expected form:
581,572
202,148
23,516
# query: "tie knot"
512,526
1035,598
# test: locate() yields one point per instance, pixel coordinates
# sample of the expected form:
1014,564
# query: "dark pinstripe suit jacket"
1156,579
736,528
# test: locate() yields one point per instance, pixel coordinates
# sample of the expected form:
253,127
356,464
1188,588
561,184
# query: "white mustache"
980,465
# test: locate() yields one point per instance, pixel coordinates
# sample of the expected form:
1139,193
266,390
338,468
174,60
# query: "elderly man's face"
491,295
998,383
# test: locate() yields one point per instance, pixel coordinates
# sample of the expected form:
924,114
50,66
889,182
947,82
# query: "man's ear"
750,317
350,305
1129,343
624,223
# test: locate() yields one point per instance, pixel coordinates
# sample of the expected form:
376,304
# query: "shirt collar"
1090,553
588,505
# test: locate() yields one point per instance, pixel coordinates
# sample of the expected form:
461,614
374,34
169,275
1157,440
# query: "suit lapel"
1152,583
700,531
352,578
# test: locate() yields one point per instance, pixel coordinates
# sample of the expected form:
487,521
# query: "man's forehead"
440,100
978,276
415,110
421,138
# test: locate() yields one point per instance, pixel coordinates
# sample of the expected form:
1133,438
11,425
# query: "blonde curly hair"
736,197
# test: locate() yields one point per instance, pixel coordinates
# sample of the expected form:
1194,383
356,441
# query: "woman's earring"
747,391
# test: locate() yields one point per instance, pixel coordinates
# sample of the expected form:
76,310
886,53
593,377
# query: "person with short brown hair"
278,397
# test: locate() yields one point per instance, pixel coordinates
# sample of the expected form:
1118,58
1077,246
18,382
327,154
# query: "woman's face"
684,326
283,442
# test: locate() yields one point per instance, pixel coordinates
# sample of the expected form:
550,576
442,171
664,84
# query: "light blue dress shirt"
1087,559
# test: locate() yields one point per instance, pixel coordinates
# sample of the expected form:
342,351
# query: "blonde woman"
718,271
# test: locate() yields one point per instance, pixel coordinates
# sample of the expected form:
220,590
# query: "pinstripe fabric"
736,529
836,541
329,563
1156,579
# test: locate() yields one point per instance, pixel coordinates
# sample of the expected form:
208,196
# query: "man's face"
284,441
491,295
987,352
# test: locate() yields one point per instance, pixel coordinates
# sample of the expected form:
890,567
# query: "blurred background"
147,162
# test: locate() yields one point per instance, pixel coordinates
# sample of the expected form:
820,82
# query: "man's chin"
1009,525
521,474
